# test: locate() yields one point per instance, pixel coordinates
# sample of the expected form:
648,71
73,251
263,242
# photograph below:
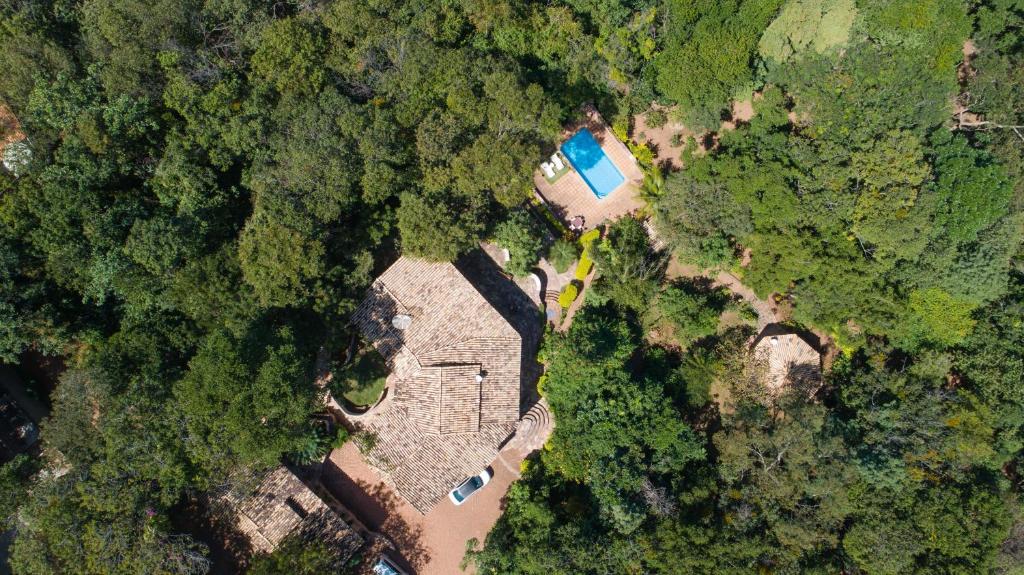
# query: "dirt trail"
765,313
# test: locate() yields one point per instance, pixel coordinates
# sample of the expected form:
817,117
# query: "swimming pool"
586,155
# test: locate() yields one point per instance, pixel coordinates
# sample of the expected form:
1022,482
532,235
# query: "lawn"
363,380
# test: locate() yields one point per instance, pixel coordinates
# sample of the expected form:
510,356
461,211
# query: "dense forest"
213,184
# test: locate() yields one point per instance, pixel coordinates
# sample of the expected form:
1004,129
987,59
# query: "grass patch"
363,380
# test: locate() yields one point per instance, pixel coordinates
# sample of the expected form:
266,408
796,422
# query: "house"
787,359
453,396
282,505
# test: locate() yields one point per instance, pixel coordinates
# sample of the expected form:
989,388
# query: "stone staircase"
554,309
535,427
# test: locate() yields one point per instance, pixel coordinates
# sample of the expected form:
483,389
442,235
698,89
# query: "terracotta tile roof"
789,359
460,399
10,128
282,505
442,424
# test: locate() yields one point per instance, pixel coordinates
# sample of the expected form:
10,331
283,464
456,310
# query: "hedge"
568,296
583,268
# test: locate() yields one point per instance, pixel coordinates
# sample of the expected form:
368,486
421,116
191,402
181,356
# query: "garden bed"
361,382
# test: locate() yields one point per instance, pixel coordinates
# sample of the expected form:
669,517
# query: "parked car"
469,487
385,566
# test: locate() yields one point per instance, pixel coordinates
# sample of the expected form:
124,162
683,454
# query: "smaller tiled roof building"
454,387
788,359
15,152
282,505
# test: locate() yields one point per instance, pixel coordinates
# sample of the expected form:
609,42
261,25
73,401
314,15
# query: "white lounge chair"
557,162
548,171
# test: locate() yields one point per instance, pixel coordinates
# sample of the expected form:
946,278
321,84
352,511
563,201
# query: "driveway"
431,544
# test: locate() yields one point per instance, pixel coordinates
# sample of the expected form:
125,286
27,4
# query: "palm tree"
652,187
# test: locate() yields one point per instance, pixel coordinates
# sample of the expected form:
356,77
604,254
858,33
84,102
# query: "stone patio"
570,196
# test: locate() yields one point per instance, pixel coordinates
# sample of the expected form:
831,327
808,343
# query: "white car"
385,566
469,487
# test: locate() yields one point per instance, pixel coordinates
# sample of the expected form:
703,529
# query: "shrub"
554,221
620,127
588,238
520,235
692,311
561,255
643,154
314,446
365,441
583,268
568,296
341,437
657,118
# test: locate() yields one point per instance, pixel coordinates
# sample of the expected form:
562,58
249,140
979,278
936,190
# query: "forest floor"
667,141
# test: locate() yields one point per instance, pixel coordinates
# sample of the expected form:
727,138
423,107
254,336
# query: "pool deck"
570,196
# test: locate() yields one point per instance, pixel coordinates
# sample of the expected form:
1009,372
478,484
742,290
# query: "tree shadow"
377,507
591,119
804,379
560,212
775,329
374,318
209,523
516,307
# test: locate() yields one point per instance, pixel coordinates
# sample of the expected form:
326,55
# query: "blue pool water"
586,155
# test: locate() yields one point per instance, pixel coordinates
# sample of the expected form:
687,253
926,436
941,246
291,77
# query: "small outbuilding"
787,359
15,153
282,505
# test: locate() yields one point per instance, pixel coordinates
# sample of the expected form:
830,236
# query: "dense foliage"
878,213
213,183
298,556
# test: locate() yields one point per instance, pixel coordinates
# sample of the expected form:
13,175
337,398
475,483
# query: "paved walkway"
432,544
578,302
